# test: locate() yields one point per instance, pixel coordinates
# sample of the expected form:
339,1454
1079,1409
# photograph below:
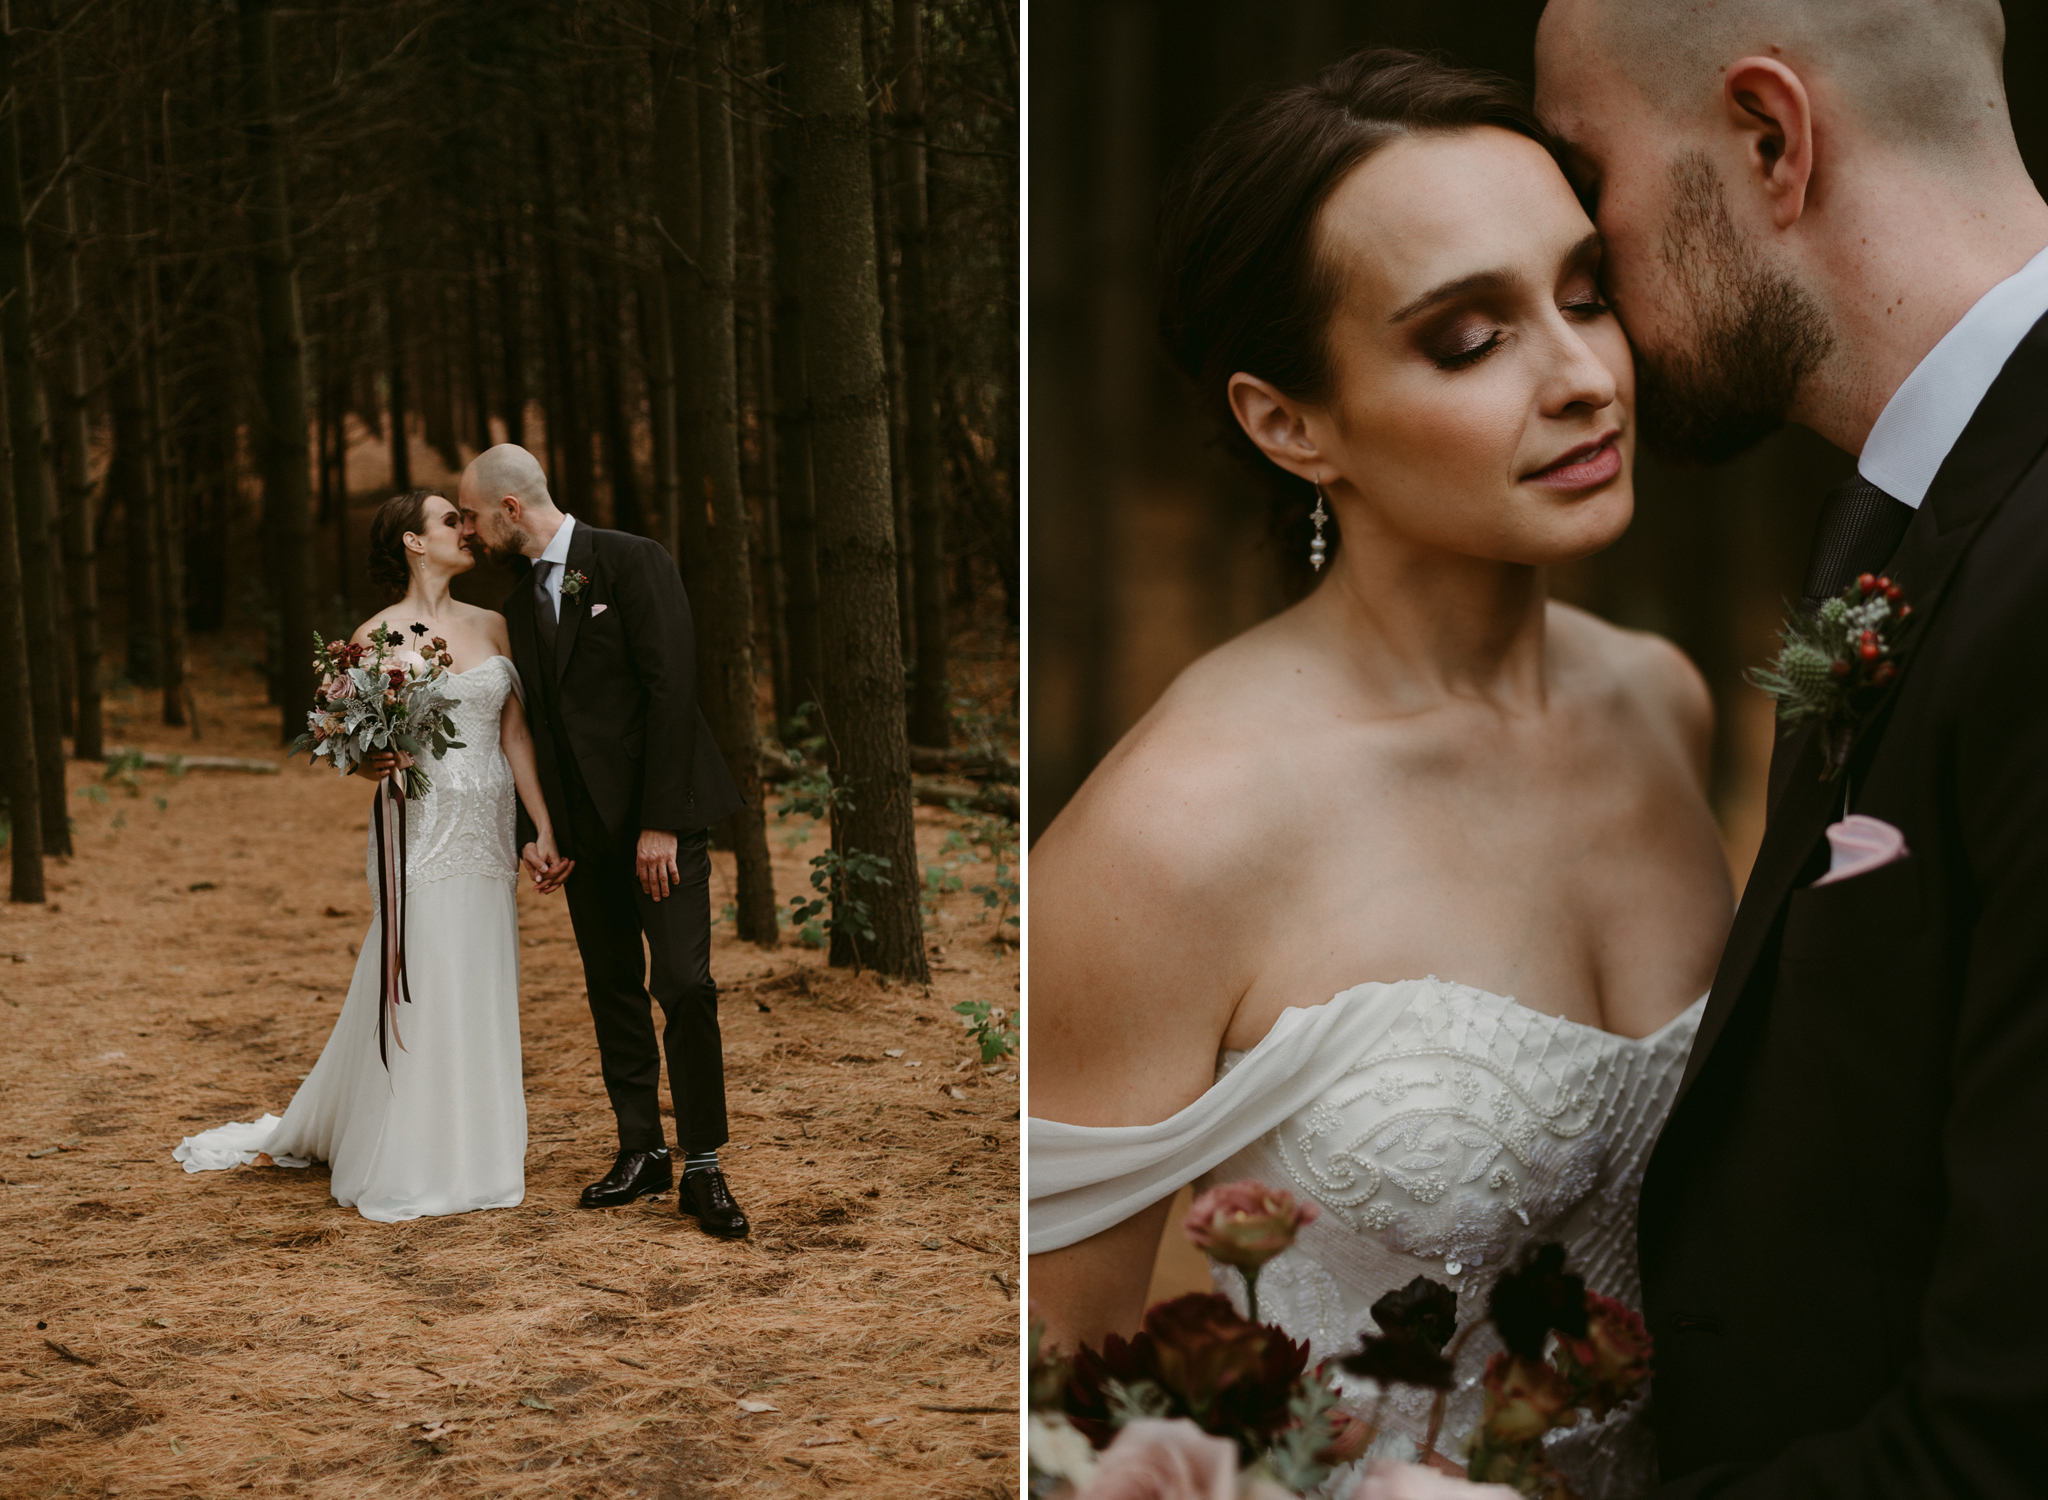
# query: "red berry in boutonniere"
1836,664
574,582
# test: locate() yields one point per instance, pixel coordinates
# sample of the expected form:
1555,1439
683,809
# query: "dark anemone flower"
418,628
1426,1309
1400,1359
1231,1376
1535,1297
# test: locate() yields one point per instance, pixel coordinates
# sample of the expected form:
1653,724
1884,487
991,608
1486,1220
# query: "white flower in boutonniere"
1836,665
574,582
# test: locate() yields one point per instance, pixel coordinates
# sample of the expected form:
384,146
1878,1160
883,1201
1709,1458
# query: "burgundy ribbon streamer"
391,982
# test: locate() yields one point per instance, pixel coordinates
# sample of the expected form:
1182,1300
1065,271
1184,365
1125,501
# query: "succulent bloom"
1164,1460
1535,1297
1245,1224
1612,1360
1525,1398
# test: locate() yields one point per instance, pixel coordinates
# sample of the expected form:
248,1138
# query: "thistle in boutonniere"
1836,664
574,582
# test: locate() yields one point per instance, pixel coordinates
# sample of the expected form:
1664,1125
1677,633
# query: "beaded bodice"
1465,1128
464,824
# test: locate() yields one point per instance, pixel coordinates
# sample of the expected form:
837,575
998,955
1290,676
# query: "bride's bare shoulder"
1642,673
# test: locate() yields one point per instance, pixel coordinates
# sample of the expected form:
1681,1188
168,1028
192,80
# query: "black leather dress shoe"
635,1174
707,1199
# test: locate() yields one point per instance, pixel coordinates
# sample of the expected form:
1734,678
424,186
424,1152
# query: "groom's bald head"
507,469
1923,76
505,504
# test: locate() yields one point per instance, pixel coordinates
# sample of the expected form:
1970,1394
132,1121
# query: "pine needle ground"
239,1333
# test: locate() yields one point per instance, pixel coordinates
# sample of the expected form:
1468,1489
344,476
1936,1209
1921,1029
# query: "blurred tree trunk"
129,481
618,417
677,206
168,511
758,389
863,664
81,560
32,496
930,711
18,777
283,430
437,403
795,503
479,412
568,432
725,622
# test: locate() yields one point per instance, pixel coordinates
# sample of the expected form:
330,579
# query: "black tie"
544,606
1860,528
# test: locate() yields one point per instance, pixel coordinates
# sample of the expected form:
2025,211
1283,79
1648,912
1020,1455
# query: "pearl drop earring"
1318,550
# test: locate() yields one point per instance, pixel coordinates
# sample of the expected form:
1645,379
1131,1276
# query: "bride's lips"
1583,467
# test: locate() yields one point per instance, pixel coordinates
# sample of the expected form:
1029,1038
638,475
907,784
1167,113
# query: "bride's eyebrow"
1451,291
1585,254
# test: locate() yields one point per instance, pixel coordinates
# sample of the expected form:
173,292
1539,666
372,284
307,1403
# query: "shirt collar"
1927,413
557,549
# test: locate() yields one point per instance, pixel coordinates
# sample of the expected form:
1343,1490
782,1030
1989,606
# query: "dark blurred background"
1148,546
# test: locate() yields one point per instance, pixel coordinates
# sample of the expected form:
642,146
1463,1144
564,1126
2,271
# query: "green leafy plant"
838,905
988,1027
998,836
125,771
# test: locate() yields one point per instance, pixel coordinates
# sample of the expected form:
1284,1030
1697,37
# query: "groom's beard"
1756,333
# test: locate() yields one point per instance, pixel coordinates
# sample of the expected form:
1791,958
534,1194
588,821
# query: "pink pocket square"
1858,845
598,609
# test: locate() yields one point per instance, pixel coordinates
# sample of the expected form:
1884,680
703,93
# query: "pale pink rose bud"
1245,1224
1164,1460
340,688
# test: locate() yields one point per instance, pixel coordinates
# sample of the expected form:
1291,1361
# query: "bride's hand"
376,767
545,863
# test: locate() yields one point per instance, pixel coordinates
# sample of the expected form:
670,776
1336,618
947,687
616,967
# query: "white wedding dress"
444,1130
1441,1130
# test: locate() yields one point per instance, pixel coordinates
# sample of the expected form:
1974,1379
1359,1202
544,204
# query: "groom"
601,636
1814,211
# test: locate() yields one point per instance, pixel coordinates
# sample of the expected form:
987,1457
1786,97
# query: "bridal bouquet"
1204,1402
386,695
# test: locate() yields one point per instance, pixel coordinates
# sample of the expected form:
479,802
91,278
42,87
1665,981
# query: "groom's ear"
1770,109
1275,422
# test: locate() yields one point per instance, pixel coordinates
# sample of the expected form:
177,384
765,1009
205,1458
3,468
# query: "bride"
1406,899
443,1130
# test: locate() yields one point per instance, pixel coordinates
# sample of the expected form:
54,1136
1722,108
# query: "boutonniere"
574,582
1836,665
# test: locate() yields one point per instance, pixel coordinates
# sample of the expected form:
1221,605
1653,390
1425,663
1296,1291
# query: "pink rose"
340,688
1245,1224
1613,1359
1164,1460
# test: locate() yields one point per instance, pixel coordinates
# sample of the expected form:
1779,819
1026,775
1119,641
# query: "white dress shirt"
557,552
1930,410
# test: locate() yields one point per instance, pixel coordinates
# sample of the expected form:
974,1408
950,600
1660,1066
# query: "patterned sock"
699,1161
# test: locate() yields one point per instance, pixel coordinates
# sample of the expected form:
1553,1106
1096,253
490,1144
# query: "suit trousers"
612,915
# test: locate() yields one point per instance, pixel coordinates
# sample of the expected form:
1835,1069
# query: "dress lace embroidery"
464,826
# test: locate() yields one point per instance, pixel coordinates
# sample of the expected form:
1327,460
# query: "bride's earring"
1318,550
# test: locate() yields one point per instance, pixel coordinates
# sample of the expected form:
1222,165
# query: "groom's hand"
656,859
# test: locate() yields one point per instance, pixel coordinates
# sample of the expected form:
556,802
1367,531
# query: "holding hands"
545,863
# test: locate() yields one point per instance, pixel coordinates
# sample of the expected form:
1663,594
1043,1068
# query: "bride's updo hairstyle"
1241,285
389,568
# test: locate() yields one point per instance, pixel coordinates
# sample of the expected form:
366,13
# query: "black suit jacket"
1843,1261
620,694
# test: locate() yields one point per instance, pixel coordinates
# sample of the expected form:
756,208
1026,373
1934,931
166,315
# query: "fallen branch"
176,762
993,799
76,1359
970,1411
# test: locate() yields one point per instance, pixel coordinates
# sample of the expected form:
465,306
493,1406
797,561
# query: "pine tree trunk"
678,205
479,412
795,503
892,342
618,421
282,433
571,479
756,362
168,510
81,561
725,617
18,778
32,495
398,396
863,663
658,344
511,330
931,720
